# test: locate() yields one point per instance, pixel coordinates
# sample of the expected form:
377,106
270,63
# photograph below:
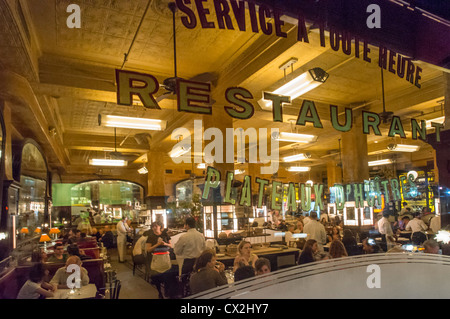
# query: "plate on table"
220,255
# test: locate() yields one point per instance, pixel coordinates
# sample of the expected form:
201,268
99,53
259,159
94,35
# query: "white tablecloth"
88,291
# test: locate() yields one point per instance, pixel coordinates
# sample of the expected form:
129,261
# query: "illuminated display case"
366,215
231,219
350,214
259,214
226,220
362,216
160,215
333,211
117,212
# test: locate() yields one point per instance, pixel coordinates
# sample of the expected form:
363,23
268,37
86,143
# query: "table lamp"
37,230
54,232
24,231
44,239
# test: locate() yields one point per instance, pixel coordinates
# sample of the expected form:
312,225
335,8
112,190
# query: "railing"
4,264
393,275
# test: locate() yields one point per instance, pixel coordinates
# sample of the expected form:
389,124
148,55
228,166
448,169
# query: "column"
221,121
354,153
442,160
334,172
156,182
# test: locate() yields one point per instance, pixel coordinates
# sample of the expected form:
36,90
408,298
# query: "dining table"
85,292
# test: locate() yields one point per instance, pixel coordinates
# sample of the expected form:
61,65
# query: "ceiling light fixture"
299,169
298,86
403,148
143,170
296,157
107,162
179,150
294,137
380,162
131,122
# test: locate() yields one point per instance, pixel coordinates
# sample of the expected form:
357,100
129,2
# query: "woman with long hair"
334,234
244,256
337,249
208,273
308,252
35,287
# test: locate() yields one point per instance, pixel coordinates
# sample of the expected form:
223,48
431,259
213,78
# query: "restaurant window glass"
33,193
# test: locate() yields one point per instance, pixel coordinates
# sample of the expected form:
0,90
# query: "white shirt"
29,290
384,227
190,245
122,228
306,220
435,224
316,230
416,225
139,247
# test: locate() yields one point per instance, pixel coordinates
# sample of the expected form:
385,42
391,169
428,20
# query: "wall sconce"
51,131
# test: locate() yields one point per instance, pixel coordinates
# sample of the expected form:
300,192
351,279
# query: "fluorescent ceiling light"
143,170
299,169
294,137
380,162
131,122
296,157
403,148
298,86
439,120
179,150
107,162
382,151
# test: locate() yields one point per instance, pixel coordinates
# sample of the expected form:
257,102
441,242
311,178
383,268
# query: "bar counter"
278,257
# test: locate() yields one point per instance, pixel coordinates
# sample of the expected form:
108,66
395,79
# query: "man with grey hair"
431,246
316,231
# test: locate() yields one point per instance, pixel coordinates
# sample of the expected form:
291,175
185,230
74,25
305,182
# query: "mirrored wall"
32,211
99,201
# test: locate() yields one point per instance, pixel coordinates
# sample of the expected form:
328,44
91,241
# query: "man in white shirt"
189,246
418,228
385,229
307,219
122,229
316,230
435,224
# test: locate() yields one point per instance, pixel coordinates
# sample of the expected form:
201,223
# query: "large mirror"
98,201
32,210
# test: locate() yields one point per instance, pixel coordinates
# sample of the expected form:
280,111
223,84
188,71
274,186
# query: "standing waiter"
122,230
385,229
189,246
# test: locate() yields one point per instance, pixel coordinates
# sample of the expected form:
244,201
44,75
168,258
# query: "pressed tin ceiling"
76,67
